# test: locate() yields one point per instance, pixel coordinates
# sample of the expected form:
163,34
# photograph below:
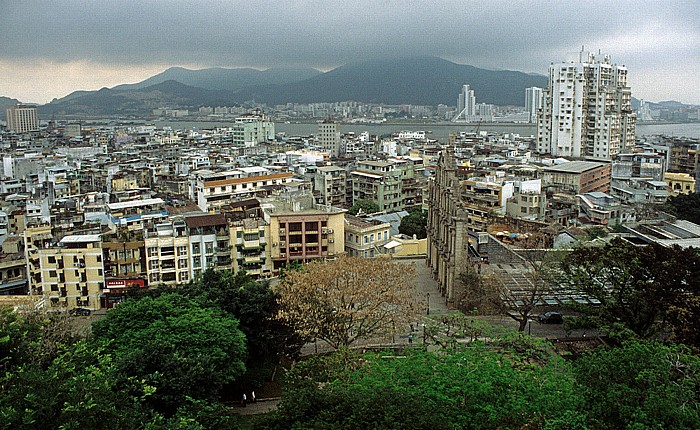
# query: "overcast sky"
51,48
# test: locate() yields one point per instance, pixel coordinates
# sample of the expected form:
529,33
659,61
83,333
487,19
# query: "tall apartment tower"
586,109
21,118
533,102
466,105
328,137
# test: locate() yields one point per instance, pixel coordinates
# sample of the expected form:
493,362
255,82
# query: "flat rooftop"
574,167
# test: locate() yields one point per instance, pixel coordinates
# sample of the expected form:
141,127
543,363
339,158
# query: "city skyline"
49,52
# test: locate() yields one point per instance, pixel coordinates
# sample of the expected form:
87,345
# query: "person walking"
410,338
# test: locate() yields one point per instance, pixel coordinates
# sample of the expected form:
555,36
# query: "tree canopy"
347,299
414,223
173,343
367,207
685,206
648,289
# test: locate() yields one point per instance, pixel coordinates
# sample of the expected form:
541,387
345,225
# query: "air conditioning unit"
283,255
331,241
274,244
330,231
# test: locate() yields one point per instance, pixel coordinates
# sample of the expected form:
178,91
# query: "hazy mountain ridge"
218,78
417,81
421,81
138,101
6,101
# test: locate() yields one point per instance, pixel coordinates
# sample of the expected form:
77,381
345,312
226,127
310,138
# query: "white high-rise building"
466,105
586,109
533,102
21,118
328,137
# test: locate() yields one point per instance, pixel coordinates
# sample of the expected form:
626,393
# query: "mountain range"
418,81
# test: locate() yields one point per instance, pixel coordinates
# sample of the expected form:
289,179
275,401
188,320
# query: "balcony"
251,244
252,259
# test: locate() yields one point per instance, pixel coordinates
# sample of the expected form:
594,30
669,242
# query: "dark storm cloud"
326,33
648,36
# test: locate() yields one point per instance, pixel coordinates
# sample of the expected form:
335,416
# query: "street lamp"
428,312
424,334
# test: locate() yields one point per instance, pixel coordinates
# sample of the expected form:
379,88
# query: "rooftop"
574,167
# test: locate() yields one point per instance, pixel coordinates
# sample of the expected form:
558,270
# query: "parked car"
80,312
551,318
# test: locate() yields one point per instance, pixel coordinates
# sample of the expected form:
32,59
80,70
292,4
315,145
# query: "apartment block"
482,197
215,190
576,177
72,273
167,254
251,246
301,230
22,118
329,185
587,109
379,181
209,243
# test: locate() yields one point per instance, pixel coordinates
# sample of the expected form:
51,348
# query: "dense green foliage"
174,344
650,290
414,223
367,206
160,360
639,385
685,206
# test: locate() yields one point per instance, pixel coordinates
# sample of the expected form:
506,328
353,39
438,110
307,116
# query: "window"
52,273
52,259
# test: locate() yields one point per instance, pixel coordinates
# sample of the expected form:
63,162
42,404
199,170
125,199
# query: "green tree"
685,206
367,207
640,385
33,337
175,344
477,387
414,224
81,388
643,288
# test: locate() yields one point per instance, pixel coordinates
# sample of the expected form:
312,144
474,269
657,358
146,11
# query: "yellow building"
301,230
404,246
365,238
72,273
35,239
679,183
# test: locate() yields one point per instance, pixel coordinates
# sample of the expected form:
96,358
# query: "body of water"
436,131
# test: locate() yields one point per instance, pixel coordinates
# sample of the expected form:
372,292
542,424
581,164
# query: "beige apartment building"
301,230
72,273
